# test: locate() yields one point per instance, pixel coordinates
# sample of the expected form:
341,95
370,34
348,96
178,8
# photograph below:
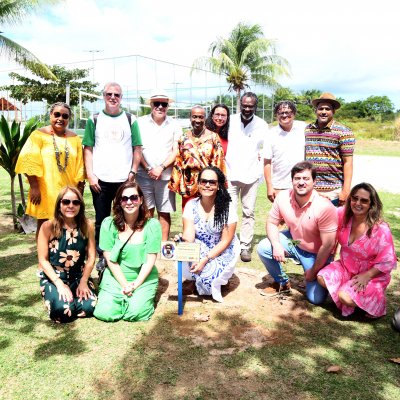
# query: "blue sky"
349,48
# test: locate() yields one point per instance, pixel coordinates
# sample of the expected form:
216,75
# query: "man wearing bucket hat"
160,135
329,145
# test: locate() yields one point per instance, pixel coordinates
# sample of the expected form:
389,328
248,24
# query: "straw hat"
160,95
326,98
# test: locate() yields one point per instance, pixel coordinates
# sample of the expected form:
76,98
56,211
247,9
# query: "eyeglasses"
222,116
288,113
58,115
117,95
134,198
163,104
355,199
67,202
211,182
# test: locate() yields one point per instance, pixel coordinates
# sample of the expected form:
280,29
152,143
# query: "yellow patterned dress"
38,158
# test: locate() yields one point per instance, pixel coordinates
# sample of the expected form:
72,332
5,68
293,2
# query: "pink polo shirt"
305,223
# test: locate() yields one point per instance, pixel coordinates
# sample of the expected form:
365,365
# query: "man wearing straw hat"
160,134
329,145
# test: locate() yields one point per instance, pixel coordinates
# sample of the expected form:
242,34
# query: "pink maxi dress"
360,256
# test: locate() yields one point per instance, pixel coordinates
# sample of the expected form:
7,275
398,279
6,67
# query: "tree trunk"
13,205
237,101
21,190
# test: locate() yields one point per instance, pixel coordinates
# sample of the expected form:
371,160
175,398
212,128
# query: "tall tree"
13,12
35,90
245,55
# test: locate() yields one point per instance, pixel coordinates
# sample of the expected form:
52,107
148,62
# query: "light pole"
93,51
176,95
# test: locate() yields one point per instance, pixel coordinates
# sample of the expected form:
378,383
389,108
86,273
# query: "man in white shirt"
246,137
112,151
160,135
284,149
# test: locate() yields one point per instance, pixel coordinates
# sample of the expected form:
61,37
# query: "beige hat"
159,94
326,98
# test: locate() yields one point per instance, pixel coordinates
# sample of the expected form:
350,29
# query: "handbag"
113,257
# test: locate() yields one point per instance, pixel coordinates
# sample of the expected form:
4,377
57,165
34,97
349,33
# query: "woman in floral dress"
66,252
211,221
360,277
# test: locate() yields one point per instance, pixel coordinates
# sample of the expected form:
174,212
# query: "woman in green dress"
131,241
66,252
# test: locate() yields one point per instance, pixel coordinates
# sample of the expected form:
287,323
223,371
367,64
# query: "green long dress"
112,305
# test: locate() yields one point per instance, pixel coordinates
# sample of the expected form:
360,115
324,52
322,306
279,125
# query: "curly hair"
374,215
119,218
222,199
57,222
60,104
210,124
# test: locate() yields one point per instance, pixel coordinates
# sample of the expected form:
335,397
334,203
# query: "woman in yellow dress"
51,159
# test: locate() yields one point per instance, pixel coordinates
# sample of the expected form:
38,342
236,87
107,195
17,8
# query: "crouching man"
312,223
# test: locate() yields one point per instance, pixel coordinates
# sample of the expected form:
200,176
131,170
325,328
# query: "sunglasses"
117,95
163,104
362,201
211,182
67,202
134,198
58,115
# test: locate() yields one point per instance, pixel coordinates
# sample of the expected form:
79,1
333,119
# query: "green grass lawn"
159,359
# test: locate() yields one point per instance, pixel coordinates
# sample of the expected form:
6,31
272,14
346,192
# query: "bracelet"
132,172
148,168
208,258
163,167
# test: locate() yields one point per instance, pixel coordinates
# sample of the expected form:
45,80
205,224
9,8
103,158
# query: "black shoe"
101,265
245,255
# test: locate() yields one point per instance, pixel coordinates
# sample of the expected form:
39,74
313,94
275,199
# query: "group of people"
136,166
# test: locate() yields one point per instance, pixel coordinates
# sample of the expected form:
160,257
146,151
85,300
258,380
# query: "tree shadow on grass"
233,357
64,342
12,265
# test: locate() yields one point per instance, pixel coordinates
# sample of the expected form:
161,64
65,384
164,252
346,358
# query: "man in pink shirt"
312,223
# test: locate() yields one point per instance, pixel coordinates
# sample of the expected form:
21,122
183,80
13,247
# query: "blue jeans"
316,294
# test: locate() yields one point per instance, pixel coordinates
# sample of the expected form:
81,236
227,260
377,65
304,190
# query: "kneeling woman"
211,221
130,241
360,277
64,243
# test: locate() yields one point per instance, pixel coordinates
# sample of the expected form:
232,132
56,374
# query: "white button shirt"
243,157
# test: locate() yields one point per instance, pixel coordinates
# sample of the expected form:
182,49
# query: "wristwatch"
163,167
148,168
132,172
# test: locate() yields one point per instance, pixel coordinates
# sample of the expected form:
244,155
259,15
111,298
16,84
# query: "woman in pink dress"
360,277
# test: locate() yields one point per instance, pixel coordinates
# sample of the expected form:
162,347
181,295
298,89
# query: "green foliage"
245,55
35,90
12,141
12,12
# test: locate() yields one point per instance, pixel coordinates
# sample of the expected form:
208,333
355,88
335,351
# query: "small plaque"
180,251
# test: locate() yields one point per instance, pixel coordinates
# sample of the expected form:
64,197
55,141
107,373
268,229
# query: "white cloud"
347,47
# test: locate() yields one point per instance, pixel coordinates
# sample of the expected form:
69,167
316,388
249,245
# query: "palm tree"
13,12
245,55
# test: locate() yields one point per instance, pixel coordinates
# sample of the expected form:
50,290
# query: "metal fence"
138,75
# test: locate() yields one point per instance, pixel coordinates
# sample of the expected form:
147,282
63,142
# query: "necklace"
57,153
199,134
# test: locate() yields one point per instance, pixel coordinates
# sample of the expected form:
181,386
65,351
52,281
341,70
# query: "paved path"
383,173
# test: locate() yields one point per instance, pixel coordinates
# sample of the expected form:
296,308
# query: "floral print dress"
67,255
360,256
219,270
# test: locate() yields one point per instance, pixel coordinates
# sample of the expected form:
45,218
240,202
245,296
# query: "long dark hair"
119,219
374,215
222,199
210,124
57,222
